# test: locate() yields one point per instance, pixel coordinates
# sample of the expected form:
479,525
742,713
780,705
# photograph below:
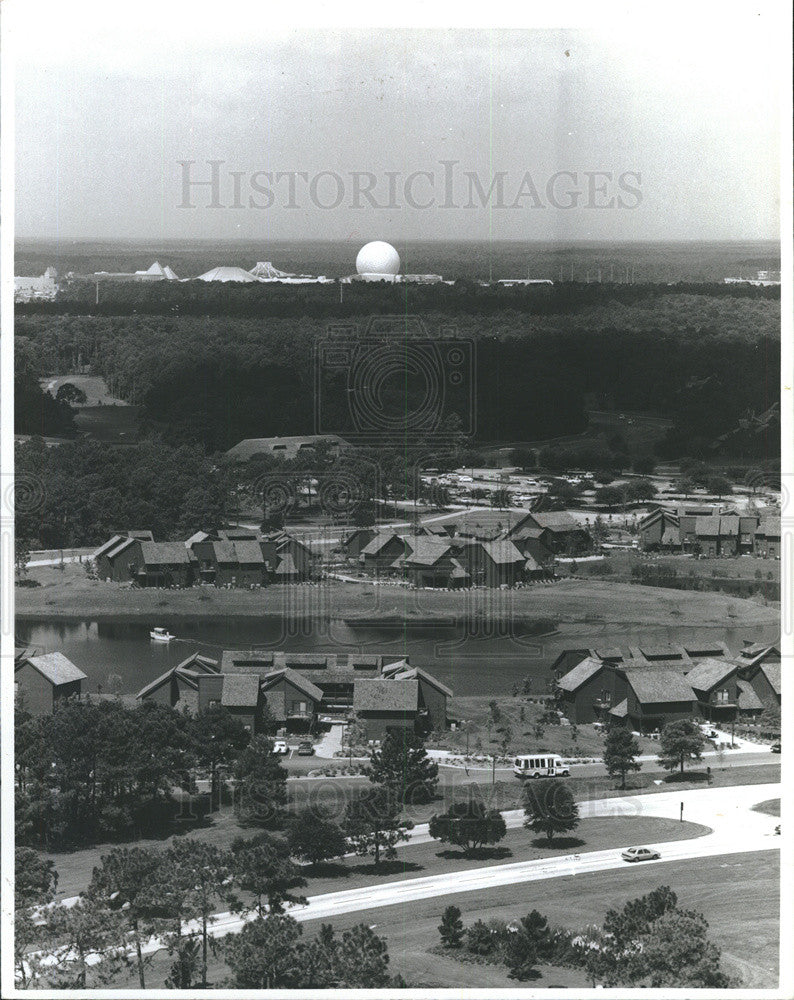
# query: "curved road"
736,829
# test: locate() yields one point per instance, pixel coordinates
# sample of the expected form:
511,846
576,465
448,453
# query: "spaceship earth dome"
378,258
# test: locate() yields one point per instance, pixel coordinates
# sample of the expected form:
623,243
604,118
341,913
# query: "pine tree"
451,927
620,752
402,766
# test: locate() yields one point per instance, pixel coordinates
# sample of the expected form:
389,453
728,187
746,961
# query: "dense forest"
709,361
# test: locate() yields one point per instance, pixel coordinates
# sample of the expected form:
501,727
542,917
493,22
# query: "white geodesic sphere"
378,258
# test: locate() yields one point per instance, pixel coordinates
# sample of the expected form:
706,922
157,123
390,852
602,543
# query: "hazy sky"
653,131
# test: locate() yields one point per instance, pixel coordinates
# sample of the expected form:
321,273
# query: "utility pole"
493,769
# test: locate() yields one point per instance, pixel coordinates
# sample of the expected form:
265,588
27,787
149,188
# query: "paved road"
736,829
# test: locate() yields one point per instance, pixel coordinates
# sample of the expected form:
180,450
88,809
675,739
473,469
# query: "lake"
469,664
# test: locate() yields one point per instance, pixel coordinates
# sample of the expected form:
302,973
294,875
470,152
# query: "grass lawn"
68,593
771,807
75,867
745,884
485,736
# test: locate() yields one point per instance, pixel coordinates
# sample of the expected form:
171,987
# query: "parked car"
640,854
280,746
305,749
775,748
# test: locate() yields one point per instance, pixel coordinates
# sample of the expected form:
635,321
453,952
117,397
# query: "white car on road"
640,854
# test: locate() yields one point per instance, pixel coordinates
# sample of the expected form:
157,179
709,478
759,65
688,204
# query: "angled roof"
276,704
671,536
621,710
557,520
659,686
240,691
198,536
660,652
122,546
426,550
224,552
772,673
502,552
707,526
55,667
379,695
748,699
286,566
710,672
380,541
296,679
197,661
416,673
248,551
769,527
582,672
488,524
156,683
110,544
164,553
729,524
706,648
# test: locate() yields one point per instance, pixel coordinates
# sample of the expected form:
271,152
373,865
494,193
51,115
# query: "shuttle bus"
540,765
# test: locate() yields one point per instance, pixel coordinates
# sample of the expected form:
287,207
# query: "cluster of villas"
302,692
648,686
231,558
268,691
487,548
710,533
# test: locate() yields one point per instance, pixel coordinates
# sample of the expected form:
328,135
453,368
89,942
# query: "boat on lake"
161,635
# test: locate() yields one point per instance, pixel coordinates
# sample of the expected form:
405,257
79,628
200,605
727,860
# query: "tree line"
725,351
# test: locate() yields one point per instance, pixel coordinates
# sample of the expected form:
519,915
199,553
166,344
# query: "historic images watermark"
215,184
389,382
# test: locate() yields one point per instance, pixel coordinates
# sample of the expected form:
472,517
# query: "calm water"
469,665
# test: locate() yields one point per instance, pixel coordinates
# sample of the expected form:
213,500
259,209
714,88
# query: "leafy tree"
265,954
451,927
125,879
313,836
644,465
652,942
35,878
261,791
365,514
620,752
73,934
549,807
527,945
718,486
680,741
468,824
640,489
402,766
198,875
186,965
501,499
524,458
685,485
218,739
359,959
634,919
374,825
21,554
611,496
677,953
69,393
262,866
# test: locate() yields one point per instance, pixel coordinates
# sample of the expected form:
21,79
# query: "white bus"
540,765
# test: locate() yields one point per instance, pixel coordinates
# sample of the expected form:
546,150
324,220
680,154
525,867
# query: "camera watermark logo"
393,383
